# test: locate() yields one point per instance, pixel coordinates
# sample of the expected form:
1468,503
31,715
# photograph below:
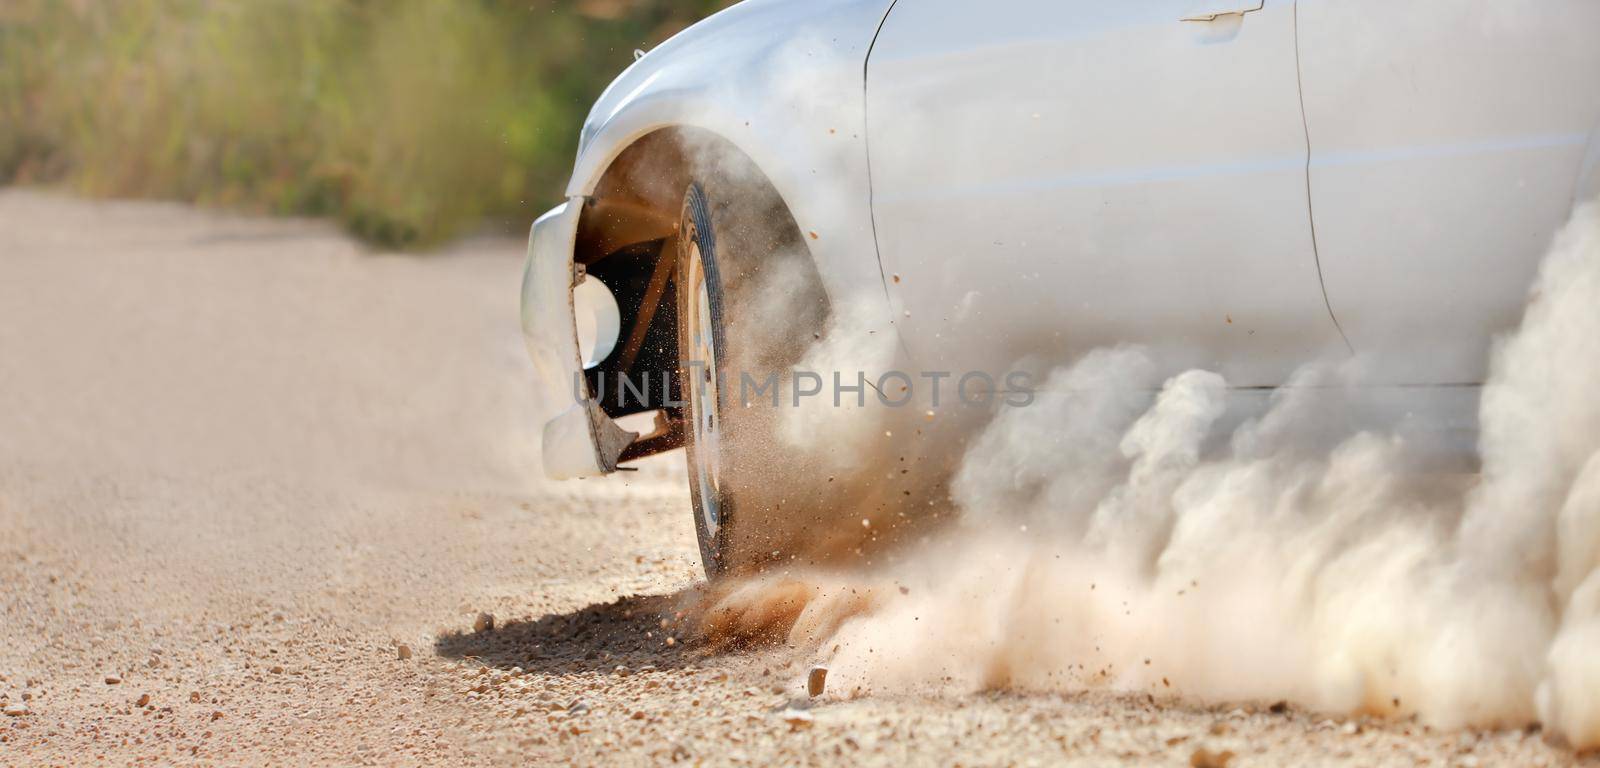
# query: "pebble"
483,623
798,719
16,709
403,651
113,680
144,700
817,680
1205,758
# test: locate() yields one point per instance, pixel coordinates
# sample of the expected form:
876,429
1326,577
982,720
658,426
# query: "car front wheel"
749,304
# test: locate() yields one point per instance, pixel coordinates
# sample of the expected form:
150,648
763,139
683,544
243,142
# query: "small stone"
194,697
113,680
577,707
276,670
671,641
817,680
1205,758
16,709
797,719
403,651
620,671
144,700
215,716
483,623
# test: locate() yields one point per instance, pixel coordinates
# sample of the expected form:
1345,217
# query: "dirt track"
242,463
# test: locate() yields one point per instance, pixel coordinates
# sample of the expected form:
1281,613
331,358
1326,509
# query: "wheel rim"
703,402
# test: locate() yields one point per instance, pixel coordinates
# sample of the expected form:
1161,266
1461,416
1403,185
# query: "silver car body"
1243,185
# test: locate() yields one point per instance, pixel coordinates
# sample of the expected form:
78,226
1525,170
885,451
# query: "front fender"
783,81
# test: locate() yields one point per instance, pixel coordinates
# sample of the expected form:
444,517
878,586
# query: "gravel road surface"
267,498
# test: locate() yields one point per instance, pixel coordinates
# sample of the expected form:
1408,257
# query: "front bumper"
582,441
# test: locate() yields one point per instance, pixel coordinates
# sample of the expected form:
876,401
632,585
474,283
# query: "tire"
732,255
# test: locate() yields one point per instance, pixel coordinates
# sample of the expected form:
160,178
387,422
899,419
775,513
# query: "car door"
1446,141
1050,176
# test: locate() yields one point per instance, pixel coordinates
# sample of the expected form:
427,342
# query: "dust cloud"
1107,538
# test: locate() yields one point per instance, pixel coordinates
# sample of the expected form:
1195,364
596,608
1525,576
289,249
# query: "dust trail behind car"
1099,547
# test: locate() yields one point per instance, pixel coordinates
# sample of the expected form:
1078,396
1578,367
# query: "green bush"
408,120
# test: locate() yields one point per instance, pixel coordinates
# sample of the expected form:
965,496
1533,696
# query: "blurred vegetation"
410,121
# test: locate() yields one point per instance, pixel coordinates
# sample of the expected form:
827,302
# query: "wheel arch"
768,92
627,238
779,84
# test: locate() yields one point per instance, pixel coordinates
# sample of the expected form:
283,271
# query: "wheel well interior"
627,238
